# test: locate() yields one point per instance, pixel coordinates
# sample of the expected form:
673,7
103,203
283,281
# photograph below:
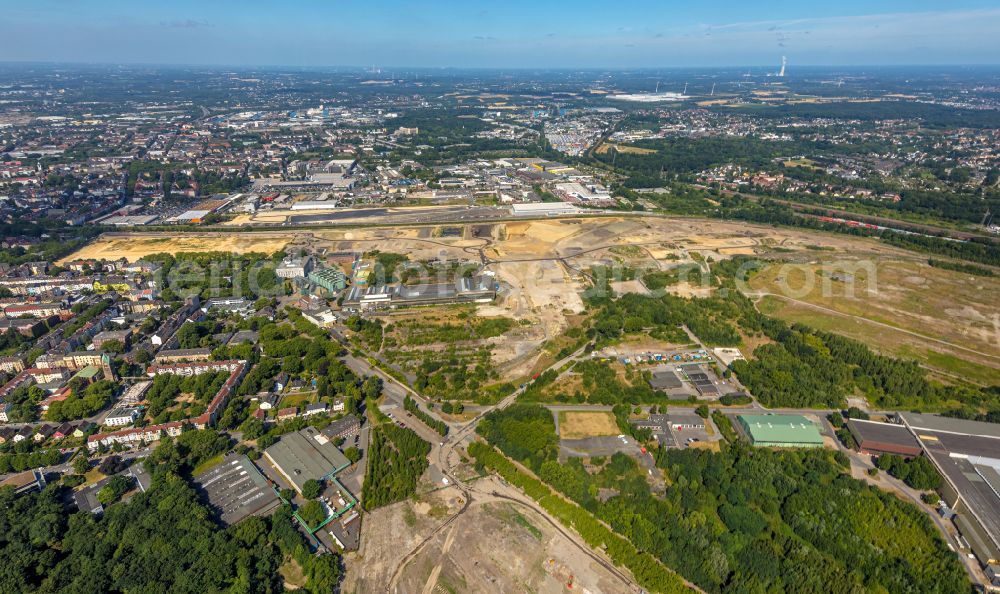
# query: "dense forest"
930,115
745,520
810,368
661,317
396,459
161,540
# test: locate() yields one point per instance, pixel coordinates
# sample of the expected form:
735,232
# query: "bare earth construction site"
542,271
543,267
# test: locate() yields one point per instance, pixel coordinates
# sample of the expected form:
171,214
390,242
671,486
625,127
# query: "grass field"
297,399
809,163
950,363
910,295
582,424
291,572
622,148
208,464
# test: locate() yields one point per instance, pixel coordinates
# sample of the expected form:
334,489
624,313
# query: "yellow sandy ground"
135,247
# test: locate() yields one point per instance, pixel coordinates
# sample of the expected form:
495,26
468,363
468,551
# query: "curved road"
444,461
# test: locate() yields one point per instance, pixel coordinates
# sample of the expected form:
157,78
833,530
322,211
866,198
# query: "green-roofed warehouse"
783,431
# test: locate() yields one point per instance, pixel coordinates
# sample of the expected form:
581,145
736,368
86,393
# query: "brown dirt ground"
502,547
580,424
136,246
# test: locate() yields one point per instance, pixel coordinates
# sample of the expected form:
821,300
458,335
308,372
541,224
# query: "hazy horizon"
518,34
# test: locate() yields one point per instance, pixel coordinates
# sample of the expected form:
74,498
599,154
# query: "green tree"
311,489
323,574
117,486
81,464
252,428
142,356
371,388
312,513
113,346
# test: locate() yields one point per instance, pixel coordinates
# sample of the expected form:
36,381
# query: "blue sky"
515,33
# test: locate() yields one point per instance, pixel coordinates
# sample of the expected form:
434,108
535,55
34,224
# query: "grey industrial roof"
981,499
86,498
237,489
706,388
306,454
665,380
883,432
184,352
948,425
338,426
990,475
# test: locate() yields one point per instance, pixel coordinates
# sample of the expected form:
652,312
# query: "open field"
494,546
581,424
948,362
809,163
948,321
136,246
503,547
388,533
623,148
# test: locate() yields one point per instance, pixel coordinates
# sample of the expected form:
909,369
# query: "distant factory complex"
477,289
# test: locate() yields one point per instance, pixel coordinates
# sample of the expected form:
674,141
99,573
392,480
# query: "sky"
509,34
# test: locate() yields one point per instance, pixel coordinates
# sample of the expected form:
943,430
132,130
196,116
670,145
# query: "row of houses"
58,309
172,324
41,285
21,379
40,433
151,433
74,360
134,435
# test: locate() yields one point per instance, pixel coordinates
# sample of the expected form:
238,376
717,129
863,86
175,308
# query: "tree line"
436,424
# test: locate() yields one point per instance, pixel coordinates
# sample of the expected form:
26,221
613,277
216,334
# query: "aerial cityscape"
453,300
